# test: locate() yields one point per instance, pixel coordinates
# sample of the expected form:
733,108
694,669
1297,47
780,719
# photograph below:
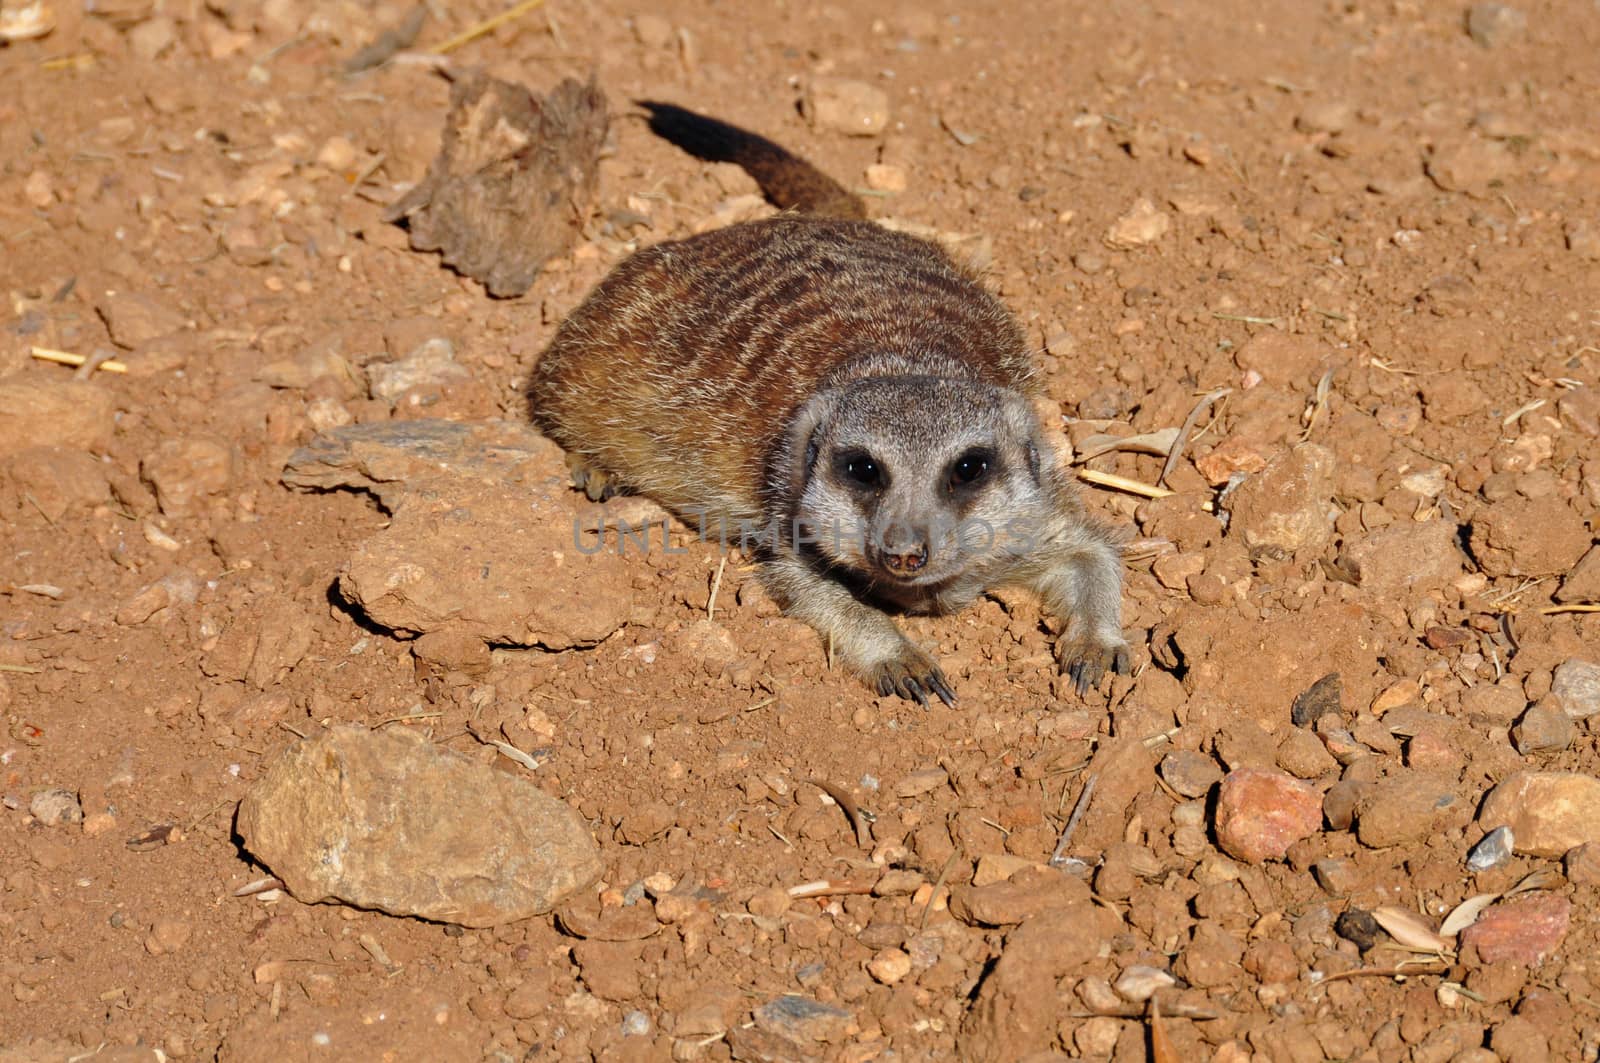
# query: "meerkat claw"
596,485
1086,665
942,688
914,681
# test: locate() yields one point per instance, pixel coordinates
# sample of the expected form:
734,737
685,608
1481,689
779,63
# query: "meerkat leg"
1084,588
593,482
868,642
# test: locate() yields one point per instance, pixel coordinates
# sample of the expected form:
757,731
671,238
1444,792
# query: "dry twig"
488,25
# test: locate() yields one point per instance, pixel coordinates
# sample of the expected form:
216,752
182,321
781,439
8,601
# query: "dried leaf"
1465,914
1546,878
1409,929
1157,443
157,836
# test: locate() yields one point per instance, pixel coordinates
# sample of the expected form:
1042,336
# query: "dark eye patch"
860,469
970,469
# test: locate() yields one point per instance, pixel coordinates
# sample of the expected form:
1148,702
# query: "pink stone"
1260,814
1524,930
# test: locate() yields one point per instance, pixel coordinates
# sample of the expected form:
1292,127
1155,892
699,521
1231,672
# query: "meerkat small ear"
1023,418
802,442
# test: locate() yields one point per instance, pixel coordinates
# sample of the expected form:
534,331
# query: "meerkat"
852,393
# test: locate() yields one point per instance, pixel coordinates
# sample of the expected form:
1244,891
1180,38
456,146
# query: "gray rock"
1577,684
1544,728
1492,850
802,1019
385,820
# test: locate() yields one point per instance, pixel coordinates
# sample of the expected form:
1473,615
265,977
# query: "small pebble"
1139,983
166,936
769,903
1142,224
653,31
336,154
1358,926
1583,240
1340,802
1407,808
840,105
635,1024
1325,116
883,177
55,808
38,190
1545,728
922,781
1521,930
1190,772
1322,698
1549,811
1338,876
1582,865
889,966
1492,25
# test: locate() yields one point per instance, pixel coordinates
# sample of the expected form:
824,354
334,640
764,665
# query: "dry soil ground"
1380,232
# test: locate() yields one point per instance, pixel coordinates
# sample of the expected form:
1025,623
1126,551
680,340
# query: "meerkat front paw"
911,674
1087,659
593,482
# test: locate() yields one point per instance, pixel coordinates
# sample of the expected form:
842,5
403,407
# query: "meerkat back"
675,376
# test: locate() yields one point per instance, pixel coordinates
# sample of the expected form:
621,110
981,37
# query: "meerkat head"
910,481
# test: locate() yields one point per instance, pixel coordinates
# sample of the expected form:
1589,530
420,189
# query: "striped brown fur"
692,345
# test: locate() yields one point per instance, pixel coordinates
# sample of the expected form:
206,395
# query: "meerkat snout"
911,480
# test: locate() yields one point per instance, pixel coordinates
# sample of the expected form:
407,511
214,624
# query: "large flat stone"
485,538
386,820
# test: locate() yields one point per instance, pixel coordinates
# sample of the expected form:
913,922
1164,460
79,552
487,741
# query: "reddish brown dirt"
1417,210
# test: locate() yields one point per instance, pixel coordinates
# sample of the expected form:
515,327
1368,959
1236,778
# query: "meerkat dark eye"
969,469
860,469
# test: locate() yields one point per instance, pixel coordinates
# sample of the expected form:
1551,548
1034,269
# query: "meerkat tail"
785,179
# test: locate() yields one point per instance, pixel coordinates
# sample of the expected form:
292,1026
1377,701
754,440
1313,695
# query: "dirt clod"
513,178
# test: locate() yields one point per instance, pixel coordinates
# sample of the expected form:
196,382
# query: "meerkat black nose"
907,562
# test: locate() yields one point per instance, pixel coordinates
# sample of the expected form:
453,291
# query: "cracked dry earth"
1376,225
